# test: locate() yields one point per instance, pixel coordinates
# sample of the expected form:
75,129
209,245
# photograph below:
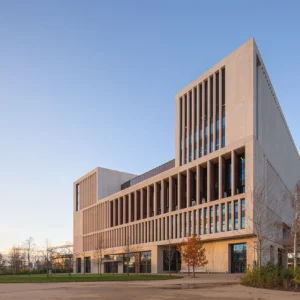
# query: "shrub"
272,276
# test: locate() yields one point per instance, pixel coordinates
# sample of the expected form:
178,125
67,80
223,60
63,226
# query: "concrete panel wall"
273,134
109,181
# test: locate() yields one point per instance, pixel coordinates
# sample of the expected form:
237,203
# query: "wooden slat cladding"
88,191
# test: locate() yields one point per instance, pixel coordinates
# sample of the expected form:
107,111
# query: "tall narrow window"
223,217
229,216
180,129
176,226
217,139
211,121
200,141
241,174
200,220
227,190
200,121
204,185
205,220
211,219
190,223
185,223
217,219
77,197
195,123
180,225
195,222
236,217
216,181
172,224
223,106
168,227
156,230
243,214
185,129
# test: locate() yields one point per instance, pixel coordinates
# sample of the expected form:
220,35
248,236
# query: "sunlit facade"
230,133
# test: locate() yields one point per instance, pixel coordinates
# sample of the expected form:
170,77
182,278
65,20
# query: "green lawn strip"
81,278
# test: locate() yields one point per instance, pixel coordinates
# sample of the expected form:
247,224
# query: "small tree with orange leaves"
192,252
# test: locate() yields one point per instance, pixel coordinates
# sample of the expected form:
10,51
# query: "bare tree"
266,217
15,259
67,256
47,256
98,253
2,262
29,248
169,255
294,228
136,249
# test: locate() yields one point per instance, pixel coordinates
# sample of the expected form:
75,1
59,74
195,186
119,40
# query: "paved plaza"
205,286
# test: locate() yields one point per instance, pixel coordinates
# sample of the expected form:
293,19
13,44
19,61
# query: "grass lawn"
81,278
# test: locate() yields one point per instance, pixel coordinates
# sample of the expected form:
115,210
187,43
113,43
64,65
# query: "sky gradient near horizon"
93,83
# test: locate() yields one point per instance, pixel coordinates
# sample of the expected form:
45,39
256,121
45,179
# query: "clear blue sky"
92,83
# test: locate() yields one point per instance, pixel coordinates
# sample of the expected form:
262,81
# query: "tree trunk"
193,271
295,251
189,269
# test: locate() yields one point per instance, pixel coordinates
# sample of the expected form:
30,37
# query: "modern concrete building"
231,140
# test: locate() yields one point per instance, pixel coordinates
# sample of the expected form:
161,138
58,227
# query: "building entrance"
238,258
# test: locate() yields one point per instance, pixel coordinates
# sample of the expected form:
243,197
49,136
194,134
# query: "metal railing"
160,169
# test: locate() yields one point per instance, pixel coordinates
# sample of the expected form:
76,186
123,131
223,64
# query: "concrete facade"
231,136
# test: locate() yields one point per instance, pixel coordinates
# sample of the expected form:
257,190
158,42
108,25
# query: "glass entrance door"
238,258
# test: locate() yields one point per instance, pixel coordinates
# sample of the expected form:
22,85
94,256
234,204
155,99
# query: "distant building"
231,136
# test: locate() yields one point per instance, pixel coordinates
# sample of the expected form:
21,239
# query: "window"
172,220
227,190
236,212
180,109
238,258
205,220
241,174
129,263
223,106
168,228
217,143
156,230
217,219
200,220
190,222
223,217
78,265
145,264
180,225
211,219
77,197
229,216
195,108
204,185
243,214
216,181
184,224
87,264
195,222
176,226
